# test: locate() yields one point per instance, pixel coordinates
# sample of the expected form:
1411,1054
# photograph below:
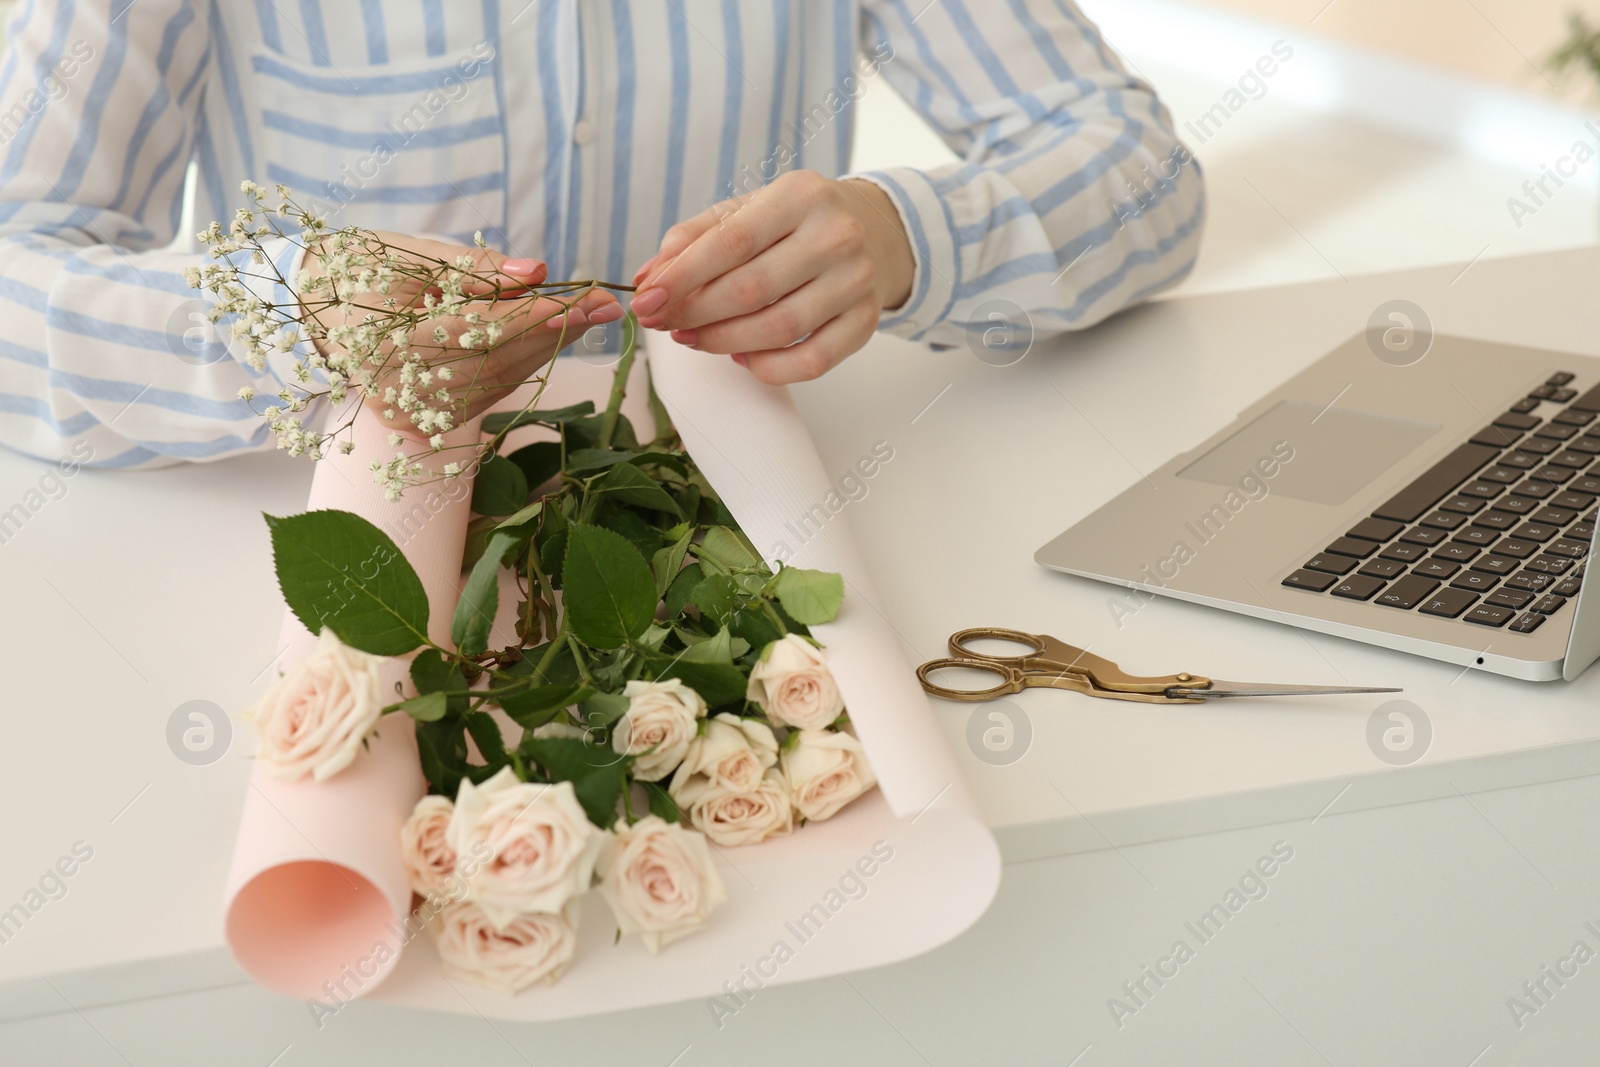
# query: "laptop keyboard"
1495,533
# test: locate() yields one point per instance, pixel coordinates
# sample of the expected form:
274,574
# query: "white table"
134,593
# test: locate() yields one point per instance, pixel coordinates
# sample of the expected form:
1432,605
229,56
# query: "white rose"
792,684
659,880
733,752
430,861
728,818
314,718
661,720
825,771
510,957
542,848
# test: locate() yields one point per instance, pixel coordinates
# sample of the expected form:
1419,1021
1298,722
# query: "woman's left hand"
805,257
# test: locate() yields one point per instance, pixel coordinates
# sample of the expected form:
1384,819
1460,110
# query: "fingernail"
605,313
572,317
688,338
520,266
738,357
649,302
645,269
653,322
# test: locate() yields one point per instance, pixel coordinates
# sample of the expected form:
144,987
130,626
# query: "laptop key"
1515,599
1527,623
1375,529
1475,535
1584,444
1357,587
1553,474
1534,531
1538,446
1552,517
1519,460
1567,586
1403,552
1408,592
1472,580
1581,531
1572,458
1498,565
1457,553
1561,396
1534,490
1533,583
1444,520
1518,420
1516,548
1570,549
1574,418
1555,431
1448,603
1425,535
1382,568
1498,436
1588,484
1331,563
1500,474
1358,547
1312,580
1489,615
1466,505
1483,490
1560,377
1436,568
1437,482
1549,604
1517,505
1495,520
1525,405
1549,565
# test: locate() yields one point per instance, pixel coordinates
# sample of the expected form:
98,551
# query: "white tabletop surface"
134,593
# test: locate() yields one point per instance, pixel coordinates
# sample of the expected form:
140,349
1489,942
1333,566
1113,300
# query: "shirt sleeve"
1073,197
105,350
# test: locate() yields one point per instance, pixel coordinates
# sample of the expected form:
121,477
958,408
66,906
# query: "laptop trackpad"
1322,454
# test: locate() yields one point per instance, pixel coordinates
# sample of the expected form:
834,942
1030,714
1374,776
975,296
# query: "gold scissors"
1058,665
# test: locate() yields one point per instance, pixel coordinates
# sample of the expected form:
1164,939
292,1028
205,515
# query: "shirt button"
583,132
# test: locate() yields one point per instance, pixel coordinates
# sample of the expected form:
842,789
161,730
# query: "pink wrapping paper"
317,896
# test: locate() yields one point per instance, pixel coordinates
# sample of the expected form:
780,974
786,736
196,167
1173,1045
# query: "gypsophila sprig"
364,319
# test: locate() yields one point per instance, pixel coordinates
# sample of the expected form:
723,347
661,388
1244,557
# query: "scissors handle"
1051,654
1011,679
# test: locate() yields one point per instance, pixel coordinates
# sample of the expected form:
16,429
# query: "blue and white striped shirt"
573,131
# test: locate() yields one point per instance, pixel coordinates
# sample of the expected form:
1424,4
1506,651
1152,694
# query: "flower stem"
619,384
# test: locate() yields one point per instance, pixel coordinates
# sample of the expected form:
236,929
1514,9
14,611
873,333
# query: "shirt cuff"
928,224
287,256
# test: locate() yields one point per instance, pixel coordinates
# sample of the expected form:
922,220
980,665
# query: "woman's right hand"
533,329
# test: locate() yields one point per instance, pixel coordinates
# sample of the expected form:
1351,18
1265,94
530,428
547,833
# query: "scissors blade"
1223,689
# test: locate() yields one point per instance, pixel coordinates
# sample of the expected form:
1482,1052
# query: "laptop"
1442,506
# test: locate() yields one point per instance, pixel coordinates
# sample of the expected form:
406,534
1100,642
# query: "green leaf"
608,593
666,563
714,597
539,461
429,707
480,597
603,709
597,774
810,597
523,518
562,670
589,460
754,627
718,648
726,548
486,732
717,683
626,482
551,541
680,594
531,708
432,673
478,531
340,571
510,420
500,488
442,748
661,802
625,520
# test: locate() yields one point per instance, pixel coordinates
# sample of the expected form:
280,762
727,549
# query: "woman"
695,146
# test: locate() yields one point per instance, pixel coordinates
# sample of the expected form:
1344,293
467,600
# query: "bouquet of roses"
627,684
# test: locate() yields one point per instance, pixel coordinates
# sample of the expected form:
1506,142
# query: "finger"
490,271
780,325
735,240
817,354
681,236
771,276
595,307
